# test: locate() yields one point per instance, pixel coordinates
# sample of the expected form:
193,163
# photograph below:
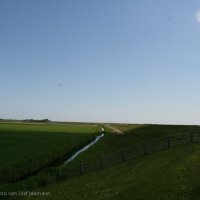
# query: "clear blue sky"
108,60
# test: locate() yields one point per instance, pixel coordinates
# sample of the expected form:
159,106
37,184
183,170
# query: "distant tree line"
26,120
36,120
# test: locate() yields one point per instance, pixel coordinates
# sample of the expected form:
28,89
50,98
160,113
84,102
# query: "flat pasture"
19,141
26,148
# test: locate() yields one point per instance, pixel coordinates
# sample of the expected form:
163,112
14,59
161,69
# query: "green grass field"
166,175
37,145
19,141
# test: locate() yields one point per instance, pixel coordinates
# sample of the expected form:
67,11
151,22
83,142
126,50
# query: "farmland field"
21,143
29,140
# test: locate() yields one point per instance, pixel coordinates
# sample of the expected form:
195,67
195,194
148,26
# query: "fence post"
101,161
82,168
123,155
168,142
191,137
145,150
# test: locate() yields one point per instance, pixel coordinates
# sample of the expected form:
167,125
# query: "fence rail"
125,155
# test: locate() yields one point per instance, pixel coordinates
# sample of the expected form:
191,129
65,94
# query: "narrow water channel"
84,148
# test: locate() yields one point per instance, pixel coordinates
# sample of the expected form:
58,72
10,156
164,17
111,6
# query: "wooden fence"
125,155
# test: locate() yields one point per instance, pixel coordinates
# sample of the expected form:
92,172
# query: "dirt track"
115,130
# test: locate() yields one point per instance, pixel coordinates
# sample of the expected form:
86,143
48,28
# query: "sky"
130,61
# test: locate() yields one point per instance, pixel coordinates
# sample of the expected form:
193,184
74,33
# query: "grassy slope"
19,141
135,135
167,175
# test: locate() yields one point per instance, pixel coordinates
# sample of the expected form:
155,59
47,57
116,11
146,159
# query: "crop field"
25,143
